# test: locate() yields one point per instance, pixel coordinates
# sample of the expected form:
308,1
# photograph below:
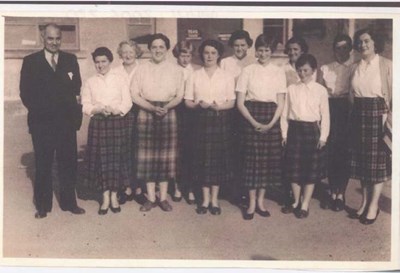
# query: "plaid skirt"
106,155
369,162
303,163
130,147
156,149
262,154
212,147
337,146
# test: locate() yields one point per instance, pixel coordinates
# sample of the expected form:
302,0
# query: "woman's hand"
160,111
284,141
264,128
321,144
98,109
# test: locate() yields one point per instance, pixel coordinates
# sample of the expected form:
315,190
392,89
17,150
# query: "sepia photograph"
199,139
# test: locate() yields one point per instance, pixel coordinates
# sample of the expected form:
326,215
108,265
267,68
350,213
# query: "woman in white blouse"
261,92
372,91
106,99
210,94
305,126
129,52
183,52
157,88
294,48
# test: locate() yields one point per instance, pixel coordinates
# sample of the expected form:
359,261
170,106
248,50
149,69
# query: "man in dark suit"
50,87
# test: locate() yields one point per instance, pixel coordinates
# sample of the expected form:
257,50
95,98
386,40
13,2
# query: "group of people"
237,122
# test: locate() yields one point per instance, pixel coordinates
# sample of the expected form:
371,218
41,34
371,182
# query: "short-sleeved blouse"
262,83
129,76
219,88
158,82
234,66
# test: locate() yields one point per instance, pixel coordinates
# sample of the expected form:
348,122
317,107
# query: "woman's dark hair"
342,37
264,40
297,40
215,44
183,47
377,38
159,36
306,59
102,51
240,34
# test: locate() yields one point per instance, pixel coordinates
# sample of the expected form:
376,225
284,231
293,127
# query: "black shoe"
122,198
327,204
248,216
102,211
338,205
263,213
190,201
201,210
354,215
75,210
366,221
140,198
176,198
115,210
215,210
300,214
40,214
289,209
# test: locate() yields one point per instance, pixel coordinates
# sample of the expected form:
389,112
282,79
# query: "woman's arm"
278,112
244,111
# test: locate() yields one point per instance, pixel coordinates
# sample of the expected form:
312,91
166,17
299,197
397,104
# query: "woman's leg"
364,199
163,190
214,196
252,201
308,191
106,200
260,199
114,199
373,206
296,188
128,191
177,193
191,196
151,191
206,196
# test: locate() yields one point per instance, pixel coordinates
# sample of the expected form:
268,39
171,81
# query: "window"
23,34
140,30
277,28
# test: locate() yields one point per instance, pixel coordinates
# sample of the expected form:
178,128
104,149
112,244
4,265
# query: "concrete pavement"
180,234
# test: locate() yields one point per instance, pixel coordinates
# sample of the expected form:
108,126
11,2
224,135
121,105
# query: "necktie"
53,62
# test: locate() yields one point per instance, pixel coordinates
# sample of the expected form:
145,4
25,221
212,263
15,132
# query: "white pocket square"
70,74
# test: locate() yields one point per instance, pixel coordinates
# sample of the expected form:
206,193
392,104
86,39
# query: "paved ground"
180,234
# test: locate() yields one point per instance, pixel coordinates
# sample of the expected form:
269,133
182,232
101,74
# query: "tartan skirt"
156,149
369,162
262,152
212,147
337,146
130,147
303,163
106,156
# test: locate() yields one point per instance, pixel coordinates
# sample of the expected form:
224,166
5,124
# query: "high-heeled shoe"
248,216
103,211
201,210
339,205
367,221
115,210
263,213
354,215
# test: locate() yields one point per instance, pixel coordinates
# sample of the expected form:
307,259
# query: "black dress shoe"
176,198
354,215
338,205
191,201
201,210
366,221
327,204
115,210
75,210
122,198
289,209
40,214
300,214
103,211
140,198
248,216
215,210
263,213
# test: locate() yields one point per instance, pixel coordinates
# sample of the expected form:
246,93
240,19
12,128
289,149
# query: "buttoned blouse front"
262,83
306,102
219,88
111,89
366,80
157,82
234,66
337,78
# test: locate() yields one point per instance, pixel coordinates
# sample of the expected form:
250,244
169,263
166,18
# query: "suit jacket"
50,96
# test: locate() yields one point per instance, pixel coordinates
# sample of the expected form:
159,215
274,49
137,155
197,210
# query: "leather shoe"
147,206
367,221
115,210
354,215
215,210
165,206
327,204
289,209
338,205
201,210
248,216
300,214
176,198
75,210
102,211
140,198
40,214
191,201
263,213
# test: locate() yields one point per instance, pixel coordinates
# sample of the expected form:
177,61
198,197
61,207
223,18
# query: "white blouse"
219,88
128,76
262,83
111,89
234,66
306,102
366,80
158,82
337,78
